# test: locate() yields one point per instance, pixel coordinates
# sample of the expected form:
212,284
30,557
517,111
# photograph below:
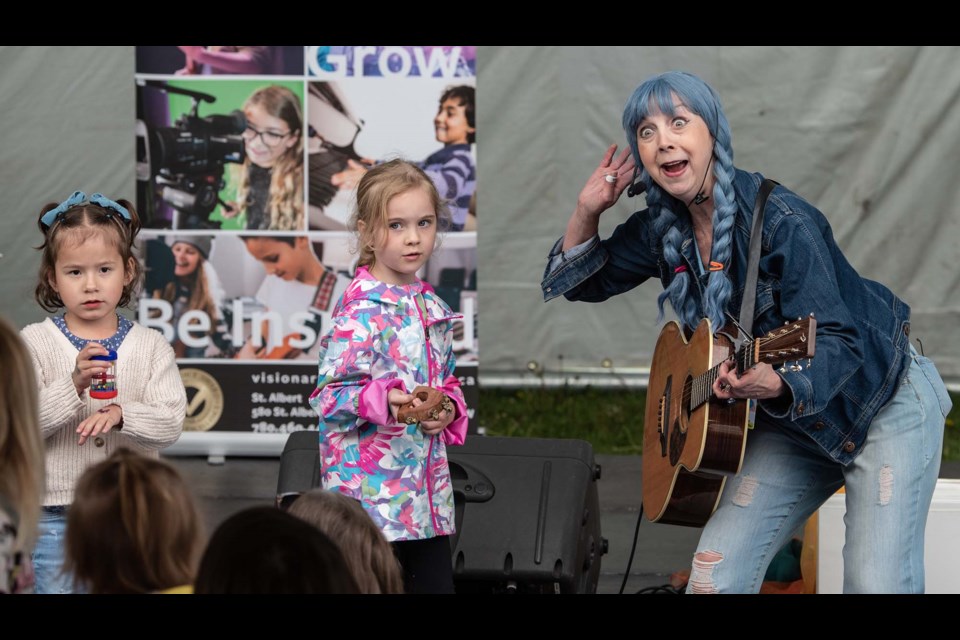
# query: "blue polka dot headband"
77,198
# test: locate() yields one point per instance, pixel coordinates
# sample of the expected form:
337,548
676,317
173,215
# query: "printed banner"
247,164
265,397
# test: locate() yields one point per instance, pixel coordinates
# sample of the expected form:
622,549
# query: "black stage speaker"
528,516
527,511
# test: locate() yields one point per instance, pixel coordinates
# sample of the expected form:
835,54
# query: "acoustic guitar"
693,441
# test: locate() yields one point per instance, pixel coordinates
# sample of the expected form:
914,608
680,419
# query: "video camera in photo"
184,164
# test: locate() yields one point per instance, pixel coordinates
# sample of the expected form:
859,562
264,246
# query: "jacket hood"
365,287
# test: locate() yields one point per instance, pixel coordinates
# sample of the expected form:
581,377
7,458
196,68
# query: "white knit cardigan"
150,392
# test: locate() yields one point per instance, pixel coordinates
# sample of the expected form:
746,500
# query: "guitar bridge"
663,417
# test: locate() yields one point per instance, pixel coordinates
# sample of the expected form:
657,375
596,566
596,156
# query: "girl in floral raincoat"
390,334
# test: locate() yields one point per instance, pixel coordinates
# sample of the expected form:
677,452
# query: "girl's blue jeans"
49,552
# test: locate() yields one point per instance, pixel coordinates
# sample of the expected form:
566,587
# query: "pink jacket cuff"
372,405
456,432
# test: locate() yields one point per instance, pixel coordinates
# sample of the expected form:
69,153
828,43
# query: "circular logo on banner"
204,400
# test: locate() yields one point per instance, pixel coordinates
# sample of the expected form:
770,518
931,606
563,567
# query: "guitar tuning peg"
809,362
796,367
782,369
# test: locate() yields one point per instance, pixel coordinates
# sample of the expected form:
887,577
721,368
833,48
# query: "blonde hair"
368,554
377,187
133,527
285,205
200,297
79,223
21,447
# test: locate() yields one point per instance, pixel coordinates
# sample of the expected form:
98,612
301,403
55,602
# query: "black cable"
699,197
666,588
633,549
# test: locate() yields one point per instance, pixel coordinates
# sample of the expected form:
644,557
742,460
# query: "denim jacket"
862,348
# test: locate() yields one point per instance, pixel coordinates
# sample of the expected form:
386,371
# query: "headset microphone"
636,188
700,198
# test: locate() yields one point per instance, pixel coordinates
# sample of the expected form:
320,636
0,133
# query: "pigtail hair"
134,224
43,228
719,288
667,225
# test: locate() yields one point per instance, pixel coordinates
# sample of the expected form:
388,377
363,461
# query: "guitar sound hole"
678,439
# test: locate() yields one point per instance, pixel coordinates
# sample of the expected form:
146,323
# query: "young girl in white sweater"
88,270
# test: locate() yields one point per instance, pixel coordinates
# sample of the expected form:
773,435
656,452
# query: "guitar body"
688,454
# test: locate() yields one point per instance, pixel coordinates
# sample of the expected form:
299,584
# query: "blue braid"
719,288
672,229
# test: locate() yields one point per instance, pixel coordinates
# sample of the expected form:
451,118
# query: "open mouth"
674,168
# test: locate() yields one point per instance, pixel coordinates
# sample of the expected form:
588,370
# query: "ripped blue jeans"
889,487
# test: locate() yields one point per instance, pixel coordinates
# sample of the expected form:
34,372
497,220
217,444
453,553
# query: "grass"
611,421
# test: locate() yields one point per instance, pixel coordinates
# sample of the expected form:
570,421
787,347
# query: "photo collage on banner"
247,164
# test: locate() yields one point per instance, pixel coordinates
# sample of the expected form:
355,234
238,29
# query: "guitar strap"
323,297
323,300
749,302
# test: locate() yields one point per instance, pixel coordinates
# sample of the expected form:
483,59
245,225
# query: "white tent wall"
868,134
68,122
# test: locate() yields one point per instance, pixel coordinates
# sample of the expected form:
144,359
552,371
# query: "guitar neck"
702,387
792,341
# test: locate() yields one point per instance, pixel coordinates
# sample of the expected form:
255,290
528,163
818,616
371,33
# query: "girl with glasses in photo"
270,195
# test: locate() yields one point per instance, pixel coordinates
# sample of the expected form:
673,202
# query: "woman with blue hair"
868,415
